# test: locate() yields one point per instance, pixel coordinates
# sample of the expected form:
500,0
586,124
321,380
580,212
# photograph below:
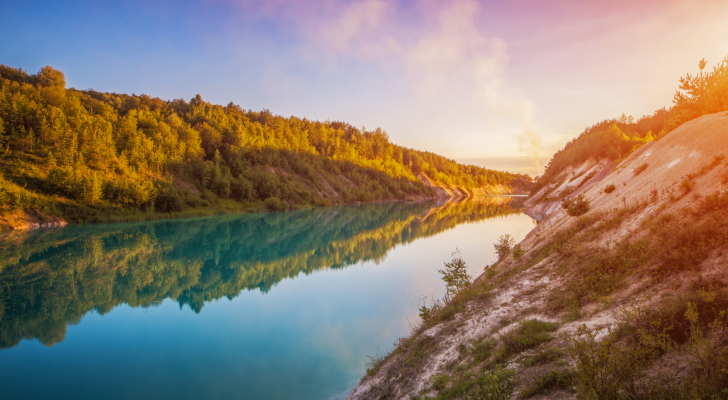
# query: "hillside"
613,140
627,300
84,156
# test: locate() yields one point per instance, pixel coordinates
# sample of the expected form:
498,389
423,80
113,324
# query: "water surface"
270,306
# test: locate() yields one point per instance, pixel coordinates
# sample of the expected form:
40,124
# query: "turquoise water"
260,306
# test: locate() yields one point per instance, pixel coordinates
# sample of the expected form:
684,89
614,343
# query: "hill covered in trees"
615,139
89,156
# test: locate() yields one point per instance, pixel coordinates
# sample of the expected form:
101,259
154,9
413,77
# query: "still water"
260,306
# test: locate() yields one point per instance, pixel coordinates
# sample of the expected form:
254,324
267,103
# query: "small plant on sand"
518,252
455,275
554,380
576,206
687,185
504,245
640,169
609,188
426,312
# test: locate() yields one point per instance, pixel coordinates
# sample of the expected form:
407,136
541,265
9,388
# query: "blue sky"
500,84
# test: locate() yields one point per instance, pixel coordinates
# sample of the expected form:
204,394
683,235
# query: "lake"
261,306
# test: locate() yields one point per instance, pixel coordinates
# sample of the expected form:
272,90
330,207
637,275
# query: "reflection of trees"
50,280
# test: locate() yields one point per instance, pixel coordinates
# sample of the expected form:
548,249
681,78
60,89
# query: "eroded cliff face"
456,192
659,235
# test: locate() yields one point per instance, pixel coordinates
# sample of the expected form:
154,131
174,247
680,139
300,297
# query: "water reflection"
50,279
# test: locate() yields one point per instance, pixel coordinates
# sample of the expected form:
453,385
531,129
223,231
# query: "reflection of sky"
307,338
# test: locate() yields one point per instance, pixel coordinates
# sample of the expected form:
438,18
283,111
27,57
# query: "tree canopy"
68,147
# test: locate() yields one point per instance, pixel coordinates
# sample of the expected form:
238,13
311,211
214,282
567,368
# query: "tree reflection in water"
49,279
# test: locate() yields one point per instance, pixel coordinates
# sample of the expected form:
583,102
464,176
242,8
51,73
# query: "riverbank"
595,303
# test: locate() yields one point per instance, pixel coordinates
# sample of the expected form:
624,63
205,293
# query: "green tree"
455,275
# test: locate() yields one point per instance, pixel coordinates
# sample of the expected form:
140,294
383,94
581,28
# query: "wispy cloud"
452,65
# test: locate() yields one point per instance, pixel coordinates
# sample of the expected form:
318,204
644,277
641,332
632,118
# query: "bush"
606,370
577,206
427,312
529,333
610,188
168,199
495,384
640,169
455,275
518,252
554,380
504,245
275,204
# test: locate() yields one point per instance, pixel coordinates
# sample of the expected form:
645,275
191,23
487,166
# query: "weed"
504,245
686,185
427,312
544,356
496,384
528,334
640,169
605,370
554,380
455,275
482,349
577,206
518,252
374,363
609,188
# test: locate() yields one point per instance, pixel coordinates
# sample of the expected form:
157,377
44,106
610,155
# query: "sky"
501,84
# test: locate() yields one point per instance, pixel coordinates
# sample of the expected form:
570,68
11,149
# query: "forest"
700,94
88,156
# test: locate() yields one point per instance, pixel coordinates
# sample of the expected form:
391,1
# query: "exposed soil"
691,153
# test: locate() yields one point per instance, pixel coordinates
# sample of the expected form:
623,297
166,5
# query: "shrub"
168,199
455,275
504,245
554,380
427,312
495,384
606,370
577,206
529,333
686,185
482,349
640,169
544,356
609,188
275,204
518,252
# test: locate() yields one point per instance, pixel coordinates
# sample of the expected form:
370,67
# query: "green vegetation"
615,139
691,328
455,275
493,384
504,245
554,380
91,156
528,334
576,206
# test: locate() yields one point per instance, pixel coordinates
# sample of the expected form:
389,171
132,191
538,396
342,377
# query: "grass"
544,356
495,384
545,384
528,334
